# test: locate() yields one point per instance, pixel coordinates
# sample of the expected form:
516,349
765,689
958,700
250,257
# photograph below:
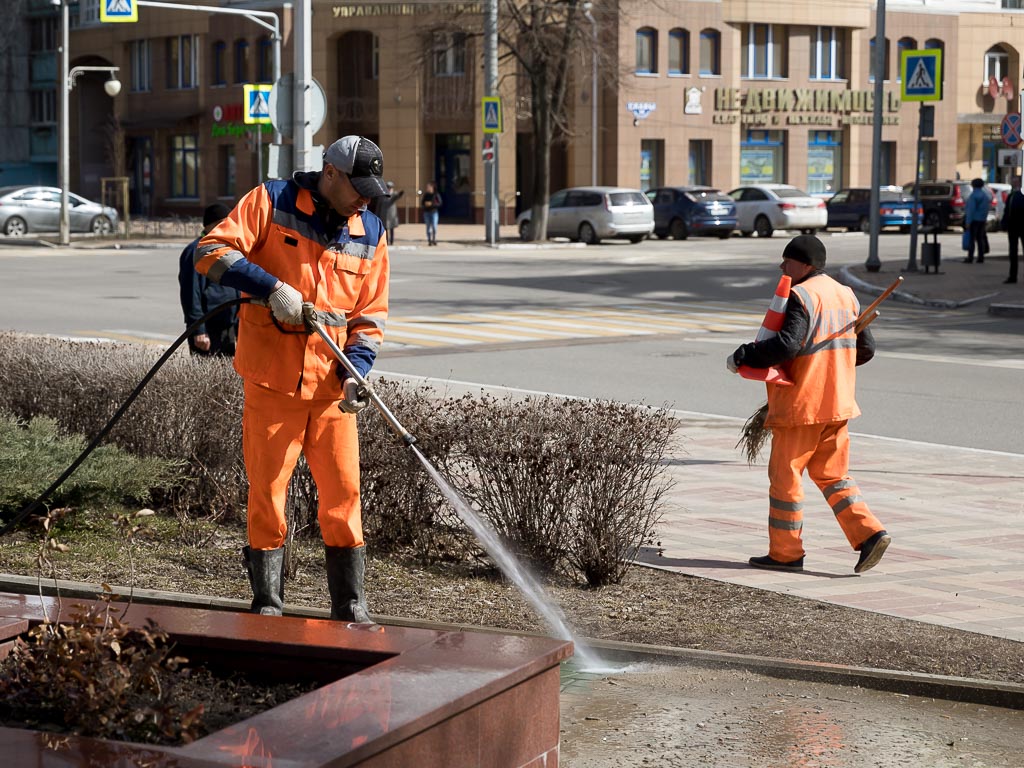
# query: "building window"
710,52
762,158
226,170
184,166
44,34
903,44
679,52
241,61
652,163
141,63
763,52
935,43
217,63
265,61
997,64
824,161
1013,5
826,53
887,163
700,162
182,61
449,54
646,51
44,106
885,63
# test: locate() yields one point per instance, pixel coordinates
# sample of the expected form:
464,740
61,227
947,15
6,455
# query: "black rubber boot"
266,575
345,569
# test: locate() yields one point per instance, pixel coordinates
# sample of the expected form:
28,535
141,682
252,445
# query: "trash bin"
931,252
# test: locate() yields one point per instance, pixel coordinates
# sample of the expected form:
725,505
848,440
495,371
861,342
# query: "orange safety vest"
824,370
275,227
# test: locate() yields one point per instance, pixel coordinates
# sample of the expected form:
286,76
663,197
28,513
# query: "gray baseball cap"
362,160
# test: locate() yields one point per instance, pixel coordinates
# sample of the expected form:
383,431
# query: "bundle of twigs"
755,434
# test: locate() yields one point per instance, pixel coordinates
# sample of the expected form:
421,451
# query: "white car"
763,208
590,214
1000,192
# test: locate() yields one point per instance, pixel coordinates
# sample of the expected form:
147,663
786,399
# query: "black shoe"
968,261
774,565
981,261
871,551
1010,280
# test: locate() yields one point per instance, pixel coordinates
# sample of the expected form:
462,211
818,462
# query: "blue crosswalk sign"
119,10
921,73
256,100
491,111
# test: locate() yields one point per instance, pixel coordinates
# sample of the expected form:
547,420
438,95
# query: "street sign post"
256,103
921,81
282,105
119,10
1010,129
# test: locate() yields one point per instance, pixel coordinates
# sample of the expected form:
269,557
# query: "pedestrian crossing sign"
119,10
921,75
491,111
257,102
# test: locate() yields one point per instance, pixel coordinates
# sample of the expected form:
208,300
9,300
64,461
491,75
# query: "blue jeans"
430,219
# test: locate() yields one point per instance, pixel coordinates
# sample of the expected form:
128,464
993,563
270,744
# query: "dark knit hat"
215,213
807,249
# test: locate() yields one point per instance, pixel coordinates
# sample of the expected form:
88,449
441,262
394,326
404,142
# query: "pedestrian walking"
431,203
1013,224
199,295
306,239
819,349
979,203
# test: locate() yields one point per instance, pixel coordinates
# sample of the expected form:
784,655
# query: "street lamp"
67,81
593,93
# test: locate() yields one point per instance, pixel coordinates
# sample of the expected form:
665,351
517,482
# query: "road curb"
846,277
1006,310
972,690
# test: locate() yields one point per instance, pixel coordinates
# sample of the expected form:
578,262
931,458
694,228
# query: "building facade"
717,92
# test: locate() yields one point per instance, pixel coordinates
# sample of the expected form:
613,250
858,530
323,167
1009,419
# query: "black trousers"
979,240
1015,238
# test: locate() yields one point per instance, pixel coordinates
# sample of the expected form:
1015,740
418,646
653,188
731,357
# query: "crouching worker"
820,349
306,239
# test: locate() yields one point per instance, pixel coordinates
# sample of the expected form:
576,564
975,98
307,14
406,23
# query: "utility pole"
303,135
491,220
65,143
873,263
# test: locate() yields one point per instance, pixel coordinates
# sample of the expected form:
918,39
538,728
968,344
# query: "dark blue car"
851,209
683,211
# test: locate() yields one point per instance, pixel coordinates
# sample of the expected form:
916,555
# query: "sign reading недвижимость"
357,10
802,106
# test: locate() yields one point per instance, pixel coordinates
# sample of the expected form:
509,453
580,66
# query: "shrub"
33,455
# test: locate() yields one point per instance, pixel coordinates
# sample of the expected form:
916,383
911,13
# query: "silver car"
37,209
763,208
590,214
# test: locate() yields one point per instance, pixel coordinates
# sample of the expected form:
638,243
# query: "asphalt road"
649,323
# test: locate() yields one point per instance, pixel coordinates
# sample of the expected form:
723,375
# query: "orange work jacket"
276,228
824,371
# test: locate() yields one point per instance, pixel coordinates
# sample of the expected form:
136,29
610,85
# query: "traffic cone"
770,327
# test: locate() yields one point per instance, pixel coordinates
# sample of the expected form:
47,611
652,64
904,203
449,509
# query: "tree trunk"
542,134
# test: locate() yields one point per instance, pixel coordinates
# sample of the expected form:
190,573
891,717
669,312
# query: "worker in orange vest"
306,239
819,349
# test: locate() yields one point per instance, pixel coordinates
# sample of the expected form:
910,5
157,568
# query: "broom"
754,433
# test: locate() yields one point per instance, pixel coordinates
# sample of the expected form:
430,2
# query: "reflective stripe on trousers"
275,429
824,451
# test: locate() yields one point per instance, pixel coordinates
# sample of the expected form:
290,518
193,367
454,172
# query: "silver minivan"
591,214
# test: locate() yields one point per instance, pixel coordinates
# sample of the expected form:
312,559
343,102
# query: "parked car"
851,208
943,201
1000,193
763,208
683,211
37,209
591,214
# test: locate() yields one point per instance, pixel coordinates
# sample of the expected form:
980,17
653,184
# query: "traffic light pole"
912,261
491,89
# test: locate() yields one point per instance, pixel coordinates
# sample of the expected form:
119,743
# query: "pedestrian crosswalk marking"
522,326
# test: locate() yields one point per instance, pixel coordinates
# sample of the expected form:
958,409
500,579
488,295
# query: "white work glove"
730,363
353,397
286,304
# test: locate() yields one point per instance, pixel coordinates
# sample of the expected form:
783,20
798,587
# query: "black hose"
28,510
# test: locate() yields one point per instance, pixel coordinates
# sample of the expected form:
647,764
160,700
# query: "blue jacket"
978,205
199,295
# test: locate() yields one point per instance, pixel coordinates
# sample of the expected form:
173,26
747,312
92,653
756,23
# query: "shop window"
218,75
184,166
226,170
265,61
646,51
824,161
449,54
141,65
887,163
241,61
872,63
903,44
679,52
997,64
763,51
182,60
763,157
700,162
827,53
710,52
652,163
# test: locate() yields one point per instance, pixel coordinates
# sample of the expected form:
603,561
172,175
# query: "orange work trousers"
275,428
824,451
